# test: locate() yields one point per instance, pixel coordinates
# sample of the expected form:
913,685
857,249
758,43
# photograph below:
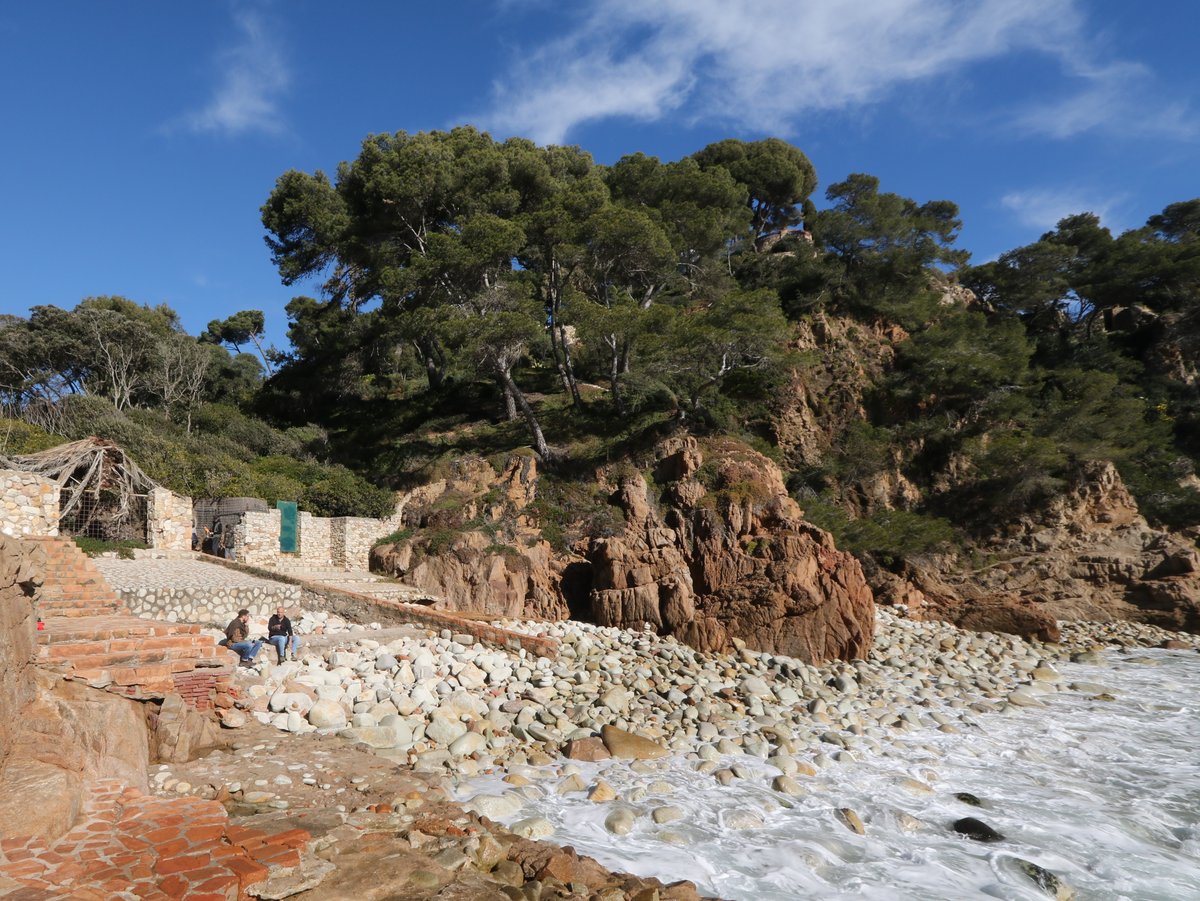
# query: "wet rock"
621,821
1045,880
851,820
977,830
494,807
589,749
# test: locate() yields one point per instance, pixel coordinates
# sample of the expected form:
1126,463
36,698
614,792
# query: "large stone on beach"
494,806
621,821
444,730
589,749
629,746
326,714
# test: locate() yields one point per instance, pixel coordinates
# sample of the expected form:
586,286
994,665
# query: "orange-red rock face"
729,557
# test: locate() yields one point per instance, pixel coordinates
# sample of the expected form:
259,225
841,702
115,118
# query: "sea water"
1105,794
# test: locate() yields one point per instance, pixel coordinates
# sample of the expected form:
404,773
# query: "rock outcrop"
56,736
730,556
714,551
1089,554
453,549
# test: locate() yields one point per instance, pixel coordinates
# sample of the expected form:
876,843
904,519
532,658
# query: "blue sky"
140,138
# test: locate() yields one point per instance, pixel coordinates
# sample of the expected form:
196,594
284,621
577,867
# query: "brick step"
80,610
123,649
101,628
152,664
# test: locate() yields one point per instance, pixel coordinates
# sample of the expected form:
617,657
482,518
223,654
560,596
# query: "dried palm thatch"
103,490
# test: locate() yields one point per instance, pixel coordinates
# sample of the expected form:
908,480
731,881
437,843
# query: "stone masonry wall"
169,520
28,504
355,535
190,591
22,566
315,547
258,539
343,541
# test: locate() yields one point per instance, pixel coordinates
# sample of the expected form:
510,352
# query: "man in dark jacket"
280,634
237,638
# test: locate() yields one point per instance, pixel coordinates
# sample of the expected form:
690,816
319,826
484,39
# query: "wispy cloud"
758,64
1042,208
252,77
1122,95
764,66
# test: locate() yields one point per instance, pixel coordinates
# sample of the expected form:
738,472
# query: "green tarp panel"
289,527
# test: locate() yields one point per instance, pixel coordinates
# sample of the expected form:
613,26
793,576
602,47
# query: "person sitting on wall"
237,638
280,634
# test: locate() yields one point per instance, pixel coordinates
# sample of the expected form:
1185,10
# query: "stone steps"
73,586
129,844
89,635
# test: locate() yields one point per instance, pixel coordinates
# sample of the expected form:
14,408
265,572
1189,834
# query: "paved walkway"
124,575
128,845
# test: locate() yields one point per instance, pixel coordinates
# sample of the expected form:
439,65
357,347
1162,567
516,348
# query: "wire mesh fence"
103,516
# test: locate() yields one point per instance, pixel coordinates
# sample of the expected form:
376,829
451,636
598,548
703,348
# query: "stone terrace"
90,635
193,590
131,845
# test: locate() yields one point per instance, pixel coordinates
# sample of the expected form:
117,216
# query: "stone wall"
22,567
315,547
343,541
168,520
257,540
190,591
354,536
28,504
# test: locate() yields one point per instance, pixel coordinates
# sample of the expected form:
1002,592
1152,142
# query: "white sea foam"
1105,794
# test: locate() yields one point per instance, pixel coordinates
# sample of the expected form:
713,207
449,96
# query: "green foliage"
398,537
961,362
94,547
18,437
889,534
567,510
778,179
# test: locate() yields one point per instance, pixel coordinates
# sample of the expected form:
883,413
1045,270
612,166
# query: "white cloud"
758,64
1042,208
253,75
1121,95
763,65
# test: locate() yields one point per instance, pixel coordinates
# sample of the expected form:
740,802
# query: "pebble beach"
634,747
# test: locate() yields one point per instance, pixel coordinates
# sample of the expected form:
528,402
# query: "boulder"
629,746
326,714
589,749
739,562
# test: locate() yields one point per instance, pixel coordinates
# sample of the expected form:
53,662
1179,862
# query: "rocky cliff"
1088,554
710,549
56,737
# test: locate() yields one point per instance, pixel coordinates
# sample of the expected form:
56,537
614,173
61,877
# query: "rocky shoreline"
452,713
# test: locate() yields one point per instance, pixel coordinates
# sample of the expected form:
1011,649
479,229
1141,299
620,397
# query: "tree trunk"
558,343
510,403
614,375
535,430
572,383
434,373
